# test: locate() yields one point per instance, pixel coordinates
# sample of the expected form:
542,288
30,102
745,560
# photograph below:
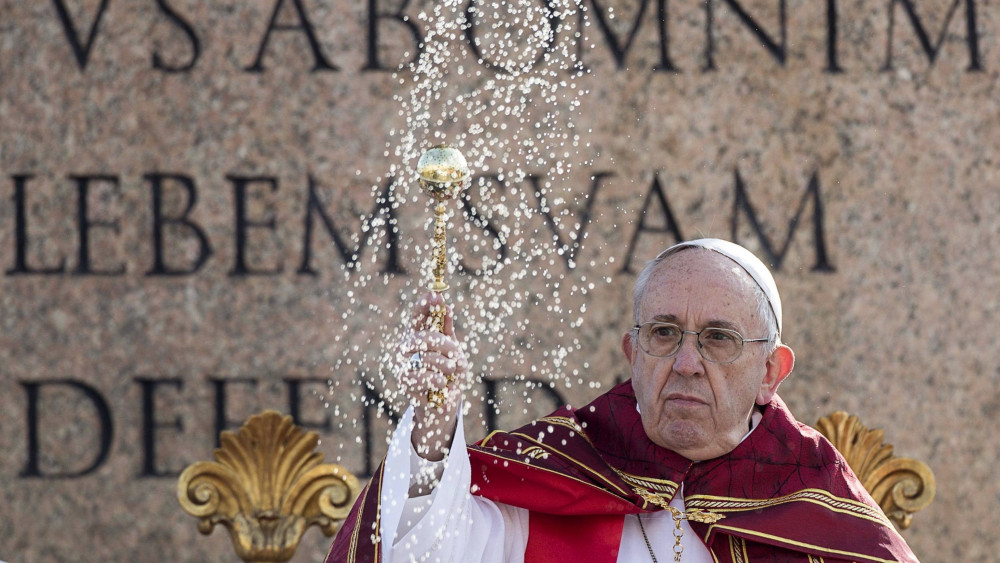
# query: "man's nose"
688,360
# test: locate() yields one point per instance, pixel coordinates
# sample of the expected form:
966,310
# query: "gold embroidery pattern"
535,452
815,559
377,532
738,550
355,534
649,497
816,496
703,516
352,552
526,438
771,538
563,421
692,514
660,486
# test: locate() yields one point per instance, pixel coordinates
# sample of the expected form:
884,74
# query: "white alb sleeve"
450,524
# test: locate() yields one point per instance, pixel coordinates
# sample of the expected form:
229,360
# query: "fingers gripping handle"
437,316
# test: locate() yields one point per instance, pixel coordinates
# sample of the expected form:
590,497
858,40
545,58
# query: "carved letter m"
773,255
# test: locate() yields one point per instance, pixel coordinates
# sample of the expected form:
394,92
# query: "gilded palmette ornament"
267,485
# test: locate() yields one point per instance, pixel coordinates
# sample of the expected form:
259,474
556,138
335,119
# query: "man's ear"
779,366
628,347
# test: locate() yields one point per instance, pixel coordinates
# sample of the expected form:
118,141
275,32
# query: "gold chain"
677,515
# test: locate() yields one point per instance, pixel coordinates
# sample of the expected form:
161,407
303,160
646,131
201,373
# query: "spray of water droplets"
500,82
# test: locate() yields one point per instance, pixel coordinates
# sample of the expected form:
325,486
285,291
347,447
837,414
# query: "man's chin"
682,436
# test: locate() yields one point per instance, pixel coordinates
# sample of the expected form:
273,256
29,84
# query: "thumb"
423,308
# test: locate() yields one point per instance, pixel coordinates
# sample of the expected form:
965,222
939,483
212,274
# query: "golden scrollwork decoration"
901,486
267,486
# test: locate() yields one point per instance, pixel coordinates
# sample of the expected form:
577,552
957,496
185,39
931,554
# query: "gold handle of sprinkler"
443,173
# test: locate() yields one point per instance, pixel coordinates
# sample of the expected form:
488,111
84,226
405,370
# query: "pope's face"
689,405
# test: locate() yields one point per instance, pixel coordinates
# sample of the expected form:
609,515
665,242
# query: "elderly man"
695,459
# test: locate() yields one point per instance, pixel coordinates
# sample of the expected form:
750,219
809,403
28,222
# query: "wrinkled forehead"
697,279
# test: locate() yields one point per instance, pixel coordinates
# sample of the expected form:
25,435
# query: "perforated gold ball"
443,172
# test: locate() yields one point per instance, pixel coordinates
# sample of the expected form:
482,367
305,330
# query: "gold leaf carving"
901,486
266,487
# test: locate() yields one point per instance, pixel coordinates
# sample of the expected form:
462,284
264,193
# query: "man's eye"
665,331
716,335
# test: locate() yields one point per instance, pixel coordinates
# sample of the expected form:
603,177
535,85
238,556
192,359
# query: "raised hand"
434,371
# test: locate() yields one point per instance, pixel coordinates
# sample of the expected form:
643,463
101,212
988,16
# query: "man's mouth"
685,399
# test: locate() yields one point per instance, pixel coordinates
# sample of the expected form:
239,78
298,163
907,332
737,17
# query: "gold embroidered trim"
535,452
568,423
563,475
582,465
692,514
352,554
378,516
564,421
738,550
781,540
482,443
815,496
662,487
650,497
815,559
352,550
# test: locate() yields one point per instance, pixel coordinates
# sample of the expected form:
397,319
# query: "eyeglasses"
717,345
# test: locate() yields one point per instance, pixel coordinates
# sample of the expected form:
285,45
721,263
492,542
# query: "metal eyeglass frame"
701,348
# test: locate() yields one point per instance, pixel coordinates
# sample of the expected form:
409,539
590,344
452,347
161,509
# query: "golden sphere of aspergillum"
443,172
